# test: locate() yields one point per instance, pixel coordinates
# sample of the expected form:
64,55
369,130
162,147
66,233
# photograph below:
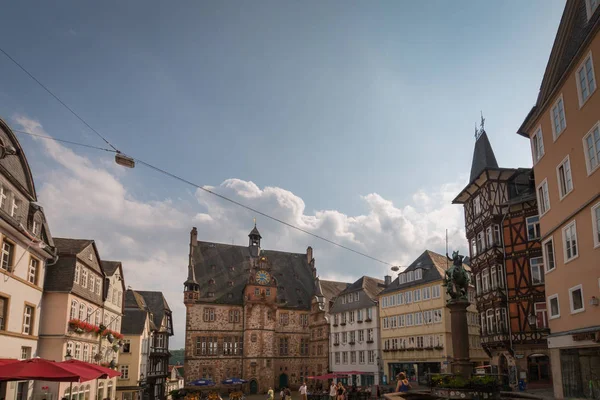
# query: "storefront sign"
593,336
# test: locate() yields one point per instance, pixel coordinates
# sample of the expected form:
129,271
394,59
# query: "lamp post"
68,356
531,320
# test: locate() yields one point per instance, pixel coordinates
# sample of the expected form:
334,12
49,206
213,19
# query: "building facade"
27,247
502,227
137,330
77,325
354,341
255,314
564,132
175,381
150,323
416,334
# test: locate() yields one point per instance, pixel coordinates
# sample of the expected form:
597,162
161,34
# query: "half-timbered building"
502,228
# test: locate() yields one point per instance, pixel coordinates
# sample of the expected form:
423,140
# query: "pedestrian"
282,393
332,391
402,385
270,395
288,394
341,391
303,393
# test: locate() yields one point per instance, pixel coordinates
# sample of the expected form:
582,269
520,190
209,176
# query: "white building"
25,247
354,343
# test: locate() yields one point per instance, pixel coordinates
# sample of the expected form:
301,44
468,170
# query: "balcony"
343,324
369,341
159,352
336,344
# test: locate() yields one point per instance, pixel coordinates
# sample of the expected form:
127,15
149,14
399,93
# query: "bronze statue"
456,279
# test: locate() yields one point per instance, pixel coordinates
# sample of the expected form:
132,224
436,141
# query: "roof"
521,187
483,156
156,304
332,289
134,321
255,232
15,167
434,266
573,35
369,287
217,264
109,267
73,247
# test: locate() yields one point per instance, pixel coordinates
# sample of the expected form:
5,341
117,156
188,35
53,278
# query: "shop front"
416,372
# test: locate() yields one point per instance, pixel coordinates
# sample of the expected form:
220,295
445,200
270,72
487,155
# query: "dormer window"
402,278
418,273
2,197
410,276
15,207
91,257
211,281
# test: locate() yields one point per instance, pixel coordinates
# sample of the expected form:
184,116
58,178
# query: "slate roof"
17,168
157,305
109,267
134,321
332,289
572,35
213,261
371,287
434,267
483,156
72,247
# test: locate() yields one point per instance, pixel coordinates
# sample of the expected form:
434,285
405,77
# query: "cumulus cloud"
85,198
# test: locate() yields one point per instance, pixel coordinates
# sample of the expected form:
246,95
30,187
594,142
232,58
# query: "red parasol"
107,373
4,361
45,370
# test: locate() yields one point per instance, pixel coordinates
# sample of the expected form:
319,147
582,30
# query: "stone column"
461,363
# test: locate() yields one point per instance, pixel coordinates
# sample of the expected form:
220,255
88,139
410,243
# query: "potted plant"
115,347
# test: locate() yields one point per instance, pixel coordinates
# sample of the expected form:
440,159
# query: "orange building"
564,131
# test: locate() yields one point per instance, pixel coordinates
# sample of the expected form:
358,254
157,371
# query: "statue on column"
456,279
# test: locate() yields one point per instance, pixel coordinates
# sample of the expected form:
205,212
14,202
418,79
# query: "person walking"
282,394
288,394
403,384
341,391
303,391
270,394
332,391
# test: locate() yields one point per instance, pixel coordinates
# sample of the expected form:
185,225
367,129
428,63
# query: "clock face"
263,277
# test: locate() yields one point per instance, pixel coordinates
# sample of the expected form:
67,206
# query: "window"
500,271
86,352
370,335
483,331
569,233
74,308
344,317
351,316
234,315
92,284
537,144
533,228
84,277
32,272
402,278
25,353
548,247
97,317
586,81
537,270
543,199
3,313
359,315
554,306
369,314
418,318
437,316
590,6
426,293
490,321
126,348
596,224
82,310
478,283
7,256
345,336
2,197
501,321
576,299
408,297
209,314
565,181
361,357
356,296
124,369
497,234
352,337
337,357
409,320
473,248
559,123
400,298
256,291
77,354
435,290
480,242
410,276
427,317
90,311
541,317
477,205
371,356
591,148
490,236
485,280
417,295
353,357
418,273
494,277
345,357
15,206
98,286
77,270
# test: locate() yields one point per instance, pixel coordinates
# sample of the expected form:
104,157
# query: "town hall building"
260,315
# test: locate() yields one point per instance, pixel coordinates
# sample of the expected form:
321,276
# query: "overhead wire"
171,175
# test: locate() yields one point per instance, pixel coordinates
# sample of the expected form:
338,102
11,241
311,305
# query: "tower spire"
483,155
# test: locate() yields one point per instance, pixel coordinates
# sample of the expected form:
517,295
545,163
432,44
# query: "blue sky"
327,102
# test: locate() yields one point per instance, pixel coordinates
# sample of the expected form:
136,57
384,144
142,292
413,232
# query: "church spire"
191,286
483,155
254,241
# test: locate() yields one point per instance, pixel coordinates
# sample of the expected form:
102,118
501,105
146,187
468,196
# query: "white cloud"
86,198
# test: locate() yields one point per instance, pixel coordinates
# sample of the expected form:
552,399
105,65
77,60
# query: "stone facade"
276,334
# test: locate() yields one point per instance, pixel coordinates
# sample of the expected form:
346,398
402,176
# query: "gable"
15,167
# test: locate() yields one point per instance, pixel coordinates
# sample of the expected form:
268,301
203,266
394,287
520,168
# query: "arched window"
82,311
100,392
485,280
67,393
494,277
109,390
90,312
74,308
70,348
86,395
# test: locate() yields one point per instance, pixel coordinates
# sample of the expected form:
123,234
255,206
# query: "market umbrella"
233,381
45,370
201,382
107,373
4,361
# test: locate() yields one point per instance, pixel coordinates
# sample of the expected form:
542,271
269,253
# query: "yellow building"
415,323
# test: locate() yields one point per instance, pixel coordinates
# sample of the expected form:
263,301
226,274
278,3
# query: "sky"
353,120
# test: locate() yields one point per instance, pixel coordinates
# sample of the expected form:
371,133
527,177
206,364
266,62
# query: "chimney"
309,254
388,280
194,237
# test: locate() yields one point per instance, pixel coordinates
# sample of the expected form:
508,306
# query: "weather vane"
479,131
